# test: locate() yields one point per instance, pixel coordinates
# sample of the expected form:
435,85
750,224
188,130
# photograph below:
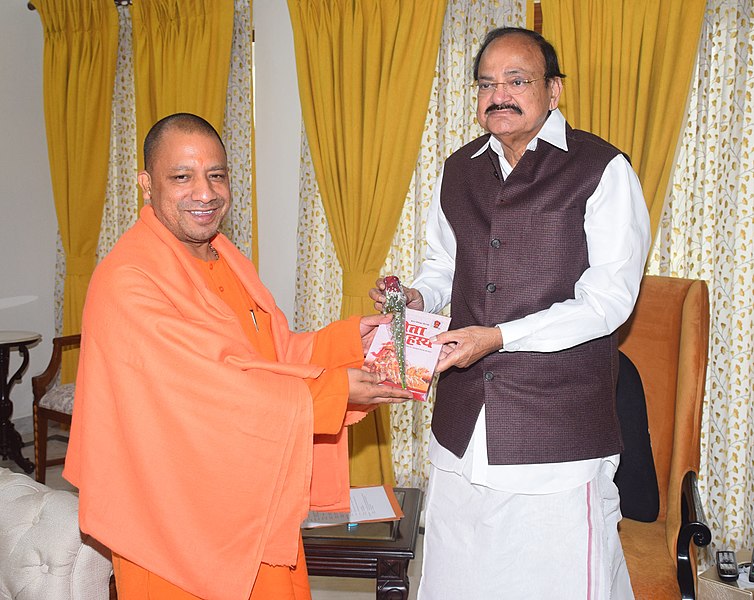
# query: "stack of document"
368,505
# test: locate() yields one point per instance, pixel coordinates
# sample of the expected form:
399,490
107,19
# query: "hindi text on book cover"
421,354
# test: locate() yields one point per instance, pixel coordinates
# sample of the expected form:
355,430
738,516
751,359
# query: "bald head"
183,122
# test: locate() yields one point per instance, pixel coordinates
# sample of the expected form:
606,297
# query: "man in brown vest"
537,236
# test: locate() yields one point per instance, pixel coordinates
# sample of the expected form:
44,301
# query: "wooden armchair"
667,338
52,401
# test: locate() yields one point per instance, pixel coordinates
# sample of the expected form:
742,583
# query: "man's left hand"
364,390
463,347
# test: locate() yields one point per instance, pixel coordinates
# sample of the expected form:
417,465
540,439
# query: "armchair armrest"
693,527
39,383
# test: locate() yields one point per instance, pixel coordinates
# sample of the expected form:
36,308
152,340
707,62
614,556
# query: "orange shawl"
193,455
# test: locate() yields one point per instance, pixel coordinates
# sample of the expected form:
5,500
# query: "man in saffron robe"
203,428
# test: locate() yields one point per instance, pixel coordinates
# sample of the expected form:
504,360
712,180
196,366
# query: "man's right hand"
364,389
413,297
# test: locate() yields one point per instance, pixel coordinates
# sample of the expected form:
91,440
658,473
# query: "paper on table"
743,576
368,504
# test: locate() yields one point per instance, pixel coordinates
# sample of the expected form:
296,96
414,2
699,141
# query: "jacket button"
489,376
491,287
495,243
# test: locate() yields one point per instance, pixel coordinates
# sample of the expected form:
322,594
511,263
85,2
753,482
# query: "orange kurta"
272,583
192,451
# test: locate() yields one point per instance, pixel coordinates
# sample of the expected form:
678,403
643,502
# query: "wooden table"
10,439
378,551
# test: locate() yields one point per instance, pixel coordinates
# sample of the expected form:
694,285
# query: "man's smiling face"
188,186
515,119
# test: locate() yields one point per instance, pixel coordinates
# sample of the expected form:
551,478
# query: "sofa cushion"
43,554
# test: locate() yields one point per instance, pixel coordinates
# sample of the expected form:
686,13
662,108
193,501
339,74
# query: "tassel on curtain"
365,70
80,51
627,61
182,52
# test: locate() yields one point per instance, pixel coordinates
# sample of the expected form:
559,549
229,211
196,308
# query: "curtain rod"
31,6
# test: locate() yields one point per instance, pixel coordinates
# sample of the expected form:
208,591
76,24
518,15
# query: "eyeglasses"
514,86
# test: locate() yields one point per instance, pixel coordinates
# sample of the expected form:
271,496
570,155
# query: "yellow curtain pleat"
80,53
530,14
181,61
628,65
365,70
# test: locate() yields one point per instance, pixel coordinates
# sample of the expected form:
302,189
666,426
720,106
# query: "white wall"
28,227
27,216
278,130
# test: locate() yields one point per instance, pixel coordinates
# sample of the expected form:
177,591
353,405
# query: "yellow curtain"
80,51
181,61
365,70
629,66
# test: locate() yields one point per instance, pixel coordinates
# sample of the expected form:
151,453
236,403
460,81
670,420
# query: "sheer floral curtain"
450,123
707,232
240,224
120,198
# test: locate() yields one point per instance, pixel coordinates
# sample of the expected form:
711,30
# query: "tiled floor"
323,588
55,448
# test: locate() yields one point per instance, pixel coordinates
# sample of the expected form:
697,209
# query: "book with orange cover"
421,354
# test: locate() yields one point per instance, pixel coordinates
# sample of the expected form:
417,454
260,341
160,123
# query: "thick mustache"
494,107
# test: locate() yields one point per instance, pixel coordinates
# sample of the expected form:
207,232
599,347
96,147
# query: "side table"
709,586
10,439
378,551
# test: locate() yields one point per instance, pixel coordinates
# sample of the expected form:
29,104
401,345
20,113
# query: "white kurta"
617,232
